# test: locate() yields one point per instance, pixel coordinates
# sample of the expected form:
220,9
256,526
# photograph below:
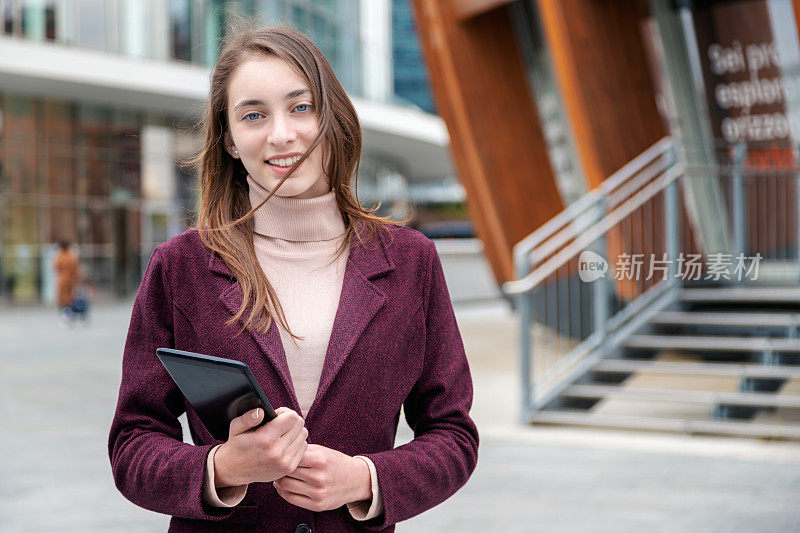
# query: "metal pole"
797,220
739,214
673,221
797,212
524,306
600,292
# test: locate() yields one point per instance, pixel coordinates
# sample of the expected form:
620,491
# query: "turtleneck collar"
296,219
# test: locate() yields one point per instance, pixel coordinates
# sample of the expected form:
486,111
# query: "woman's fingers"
247,421
288,434
272,450
290,484
281,424
297,448
285,421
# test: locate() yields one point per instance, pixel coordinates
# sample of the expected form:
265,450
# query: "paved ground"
58,390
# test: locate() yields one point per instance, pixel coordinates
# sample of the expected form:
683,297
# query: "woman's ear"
229,146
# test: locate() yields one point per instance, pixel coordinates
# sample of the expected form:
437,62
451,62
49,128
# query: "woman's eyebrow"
288,96
296,92
247,103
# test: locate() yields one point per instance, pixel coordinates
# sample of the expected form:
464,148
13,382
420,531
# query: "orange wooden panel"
497,144
600,63
796,5
465,9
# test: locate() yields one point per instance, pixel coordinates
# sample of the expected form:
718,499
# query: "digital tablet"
218,389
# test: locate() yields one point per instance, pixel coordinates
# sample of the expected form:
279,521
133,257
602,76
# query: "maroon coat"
394,343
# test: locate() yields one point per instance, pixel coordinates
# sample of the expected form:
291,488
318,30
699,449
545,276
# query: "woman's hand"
265,454
326,479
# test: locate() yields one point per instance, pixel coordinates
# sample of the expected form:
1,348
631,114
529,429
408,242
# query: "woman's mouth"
281,165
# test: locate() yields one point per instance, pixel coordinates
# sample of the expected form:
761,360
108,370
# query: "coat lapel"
270,343
359,302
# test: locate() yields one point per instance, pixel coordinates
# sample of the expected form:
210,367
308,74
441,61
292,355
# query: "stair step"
719,427
790,294
688,318
750,399
709,369
712,343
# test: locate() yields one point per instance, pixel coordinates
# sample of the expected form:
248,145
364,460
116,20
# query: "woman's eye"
252,116
302,108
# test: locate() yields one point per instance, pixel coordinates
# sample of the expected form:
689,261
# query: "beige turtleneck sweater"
296,241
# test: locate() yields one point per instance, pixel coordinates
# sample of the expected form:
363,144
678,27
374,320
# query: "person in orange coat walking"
67,274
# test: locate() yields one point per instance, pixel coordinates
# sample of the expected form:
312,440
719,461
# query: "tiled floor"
58,390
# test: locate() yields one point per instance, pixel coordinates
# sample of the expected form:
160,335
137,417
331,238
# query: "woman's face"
273,121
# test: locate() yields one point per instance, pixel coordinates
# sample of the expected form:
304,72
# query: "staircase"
719,360
714,357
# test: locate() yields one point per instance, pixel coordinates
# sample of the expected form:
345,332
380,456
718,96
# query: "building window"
91,20
410,74
180,29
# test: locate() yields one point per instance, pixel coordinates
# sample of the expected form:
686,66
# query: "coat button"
302,528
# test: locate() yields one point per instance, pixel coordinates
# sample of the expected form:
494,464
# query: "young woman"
342,317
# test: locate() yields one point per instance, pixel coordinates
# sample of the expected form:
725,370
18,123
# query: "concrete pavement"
58,391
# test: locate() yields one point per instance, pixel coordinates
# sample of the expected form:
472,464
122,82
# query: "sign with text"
745,88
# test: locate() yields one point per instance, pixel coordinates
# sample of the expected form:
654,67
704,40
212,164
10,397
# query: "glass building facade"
74,172
109,179
184,30
410,77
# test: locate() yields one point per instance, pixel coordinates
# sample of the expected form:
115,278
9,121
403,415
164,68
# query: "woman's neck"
296,219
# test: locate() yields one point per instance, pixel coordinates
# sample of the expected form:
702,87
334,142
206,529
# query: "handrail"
638,181
573,315
589,199
613,200
530,281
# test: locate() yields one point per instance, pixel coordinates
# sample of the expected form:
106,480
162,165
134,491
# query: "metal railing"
606,264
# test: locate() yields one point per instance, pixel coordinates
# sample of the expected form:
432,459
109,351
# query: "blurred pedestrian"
67,271
80,305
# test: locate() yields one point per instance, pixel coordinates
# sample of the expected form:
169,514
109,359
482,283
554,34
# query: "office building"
98,100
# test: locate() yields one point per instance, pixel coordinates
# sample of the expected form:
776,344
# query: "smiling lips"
281,165
284,161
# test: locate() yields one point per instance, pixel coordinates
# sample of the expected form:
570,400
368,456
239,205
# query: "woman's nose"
282,131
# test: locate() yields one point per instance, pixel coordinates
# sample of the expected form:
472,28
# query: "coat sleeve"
151,464
432,467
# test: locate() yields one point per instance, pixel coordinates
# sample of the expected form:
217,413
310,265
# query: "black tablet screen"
217,393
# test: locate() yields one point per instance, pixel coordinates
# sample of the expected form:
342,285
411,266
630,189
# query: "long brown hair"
225,220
